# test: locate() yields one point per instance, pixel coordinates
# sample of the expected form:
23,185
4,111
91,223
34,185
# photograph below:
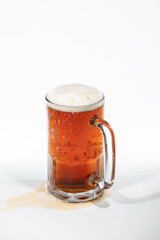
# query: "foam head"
74,98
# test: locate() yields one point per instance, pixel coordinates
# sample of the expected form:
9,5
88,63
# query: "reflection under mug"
81,145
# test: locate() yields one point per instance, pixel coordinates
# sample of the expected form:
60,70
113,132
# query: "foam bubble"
74,98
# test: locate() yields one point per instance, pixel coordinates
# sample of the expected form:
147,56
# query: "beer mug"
81,145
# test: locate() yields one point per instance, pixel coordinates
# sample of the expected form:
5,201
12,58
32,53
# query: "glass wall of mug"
75,151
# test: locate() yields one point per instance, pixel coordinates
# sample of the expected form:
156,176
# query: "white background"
112,45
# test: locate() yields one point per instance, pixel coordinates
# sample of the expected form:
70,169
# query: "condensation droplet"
52,136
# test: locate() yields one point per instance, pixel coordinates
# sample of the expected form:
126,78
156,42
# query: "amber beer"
75,149
75,146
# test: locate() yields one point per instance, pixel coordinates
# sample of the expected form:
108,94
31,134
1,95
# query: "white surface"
120,216
113,46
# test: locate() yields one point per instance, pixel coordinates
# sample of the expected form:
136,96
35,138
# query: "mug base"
75,197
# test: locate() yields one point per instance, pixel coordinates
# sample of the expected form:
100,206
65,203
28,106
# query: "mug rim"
83,108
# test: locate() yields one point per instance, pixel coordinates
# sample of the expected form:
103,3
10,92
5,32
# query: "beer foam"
74,98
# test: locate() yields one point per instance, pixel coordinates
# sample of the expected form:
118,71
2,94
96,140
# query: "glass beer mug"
81,145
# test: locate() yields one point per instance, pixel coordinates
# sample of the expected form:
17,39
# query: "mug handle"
108,161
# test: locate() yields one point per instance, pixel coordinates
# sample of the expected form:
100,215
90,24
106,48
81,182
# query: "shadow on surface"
140,189
31,183
102,204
